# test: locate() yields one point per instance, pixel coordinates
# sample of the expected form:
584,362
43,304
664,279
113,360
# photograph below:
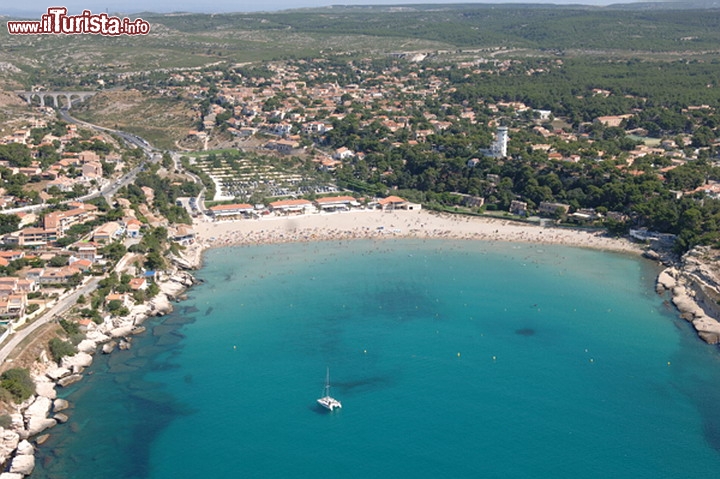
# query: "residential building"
107,232
183,235
58,275
518,208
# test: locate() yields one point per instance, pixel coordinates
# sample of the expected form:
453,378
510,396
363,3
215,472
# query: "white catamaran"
327,401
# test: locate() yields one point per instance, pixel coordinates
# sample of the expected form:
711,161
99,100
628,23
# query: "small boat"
327,401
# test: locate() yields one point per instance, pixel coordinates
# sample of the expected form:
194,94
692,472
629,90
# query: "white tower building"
499,148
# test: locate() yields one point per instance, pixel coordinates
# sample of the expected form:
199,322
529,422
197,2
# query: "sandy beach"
377,224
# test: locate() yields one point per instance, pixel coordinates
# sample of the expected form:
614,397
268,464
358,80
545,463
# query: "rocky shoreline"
35,417
695,290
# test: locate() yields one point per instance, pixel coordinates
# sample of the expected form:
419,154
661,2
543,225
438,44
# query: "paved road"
63,303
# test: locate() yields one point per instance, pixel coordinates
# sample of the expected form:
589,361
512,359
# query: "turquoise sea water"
451,359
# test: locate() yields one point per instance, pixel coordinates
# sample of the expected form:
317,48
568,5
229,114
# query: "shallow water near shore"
451,359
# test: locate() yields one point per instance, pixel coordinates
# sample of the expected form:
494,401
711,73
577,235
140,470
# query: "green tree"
18,383
58,261
59,349
154,261
9,223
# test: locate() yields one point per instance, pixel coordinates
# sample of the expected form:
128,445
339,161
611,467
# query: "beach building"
586,214
518,208
550,209
292,206
336,203
183,235
394,203
232,211
643,234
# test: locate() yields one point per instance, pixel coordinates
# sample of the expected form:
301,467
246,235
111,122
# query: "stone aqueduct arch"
70,96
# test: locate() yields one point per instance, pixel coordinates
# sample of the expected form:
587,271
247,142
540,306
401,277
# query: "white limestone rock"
39,407
68,380
80,359
97,336
17,422
45,389
708,329
57,373
11,475
23,465
37,424
666,279
87,346
61,418
138,330
121,331
9,441
60,405
682,300
36,416
160,305
25,448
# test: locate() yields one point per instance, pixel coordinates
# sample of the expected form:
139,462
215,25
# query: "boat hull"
329,403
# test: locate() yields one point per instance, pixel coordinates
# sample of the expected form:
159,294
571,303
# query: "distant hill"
657,30
670,5
22,11
533,26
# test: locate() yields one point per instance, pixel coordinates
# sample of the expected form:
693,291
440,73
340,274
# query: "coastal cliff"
695,288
